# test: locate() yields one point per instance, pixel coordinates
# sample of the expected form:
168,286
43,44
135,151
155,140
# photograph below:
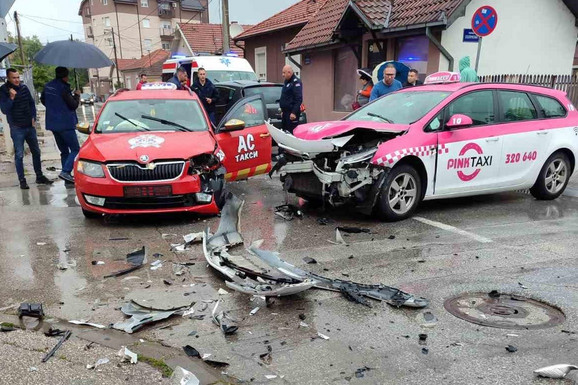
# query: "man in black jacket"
291,100
412,79
17,104
207,92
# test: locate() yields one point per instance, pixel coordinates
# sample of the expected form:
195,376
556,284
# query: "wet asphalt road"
506,242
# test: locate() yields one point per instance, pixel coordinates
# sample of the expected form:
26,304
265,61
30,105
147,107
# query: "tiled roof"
404,13
376,11
320,29
147,61
296,15
208,38
411,12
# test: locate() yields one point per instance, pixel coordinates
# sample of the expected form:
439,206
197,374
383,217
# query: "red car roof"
154,94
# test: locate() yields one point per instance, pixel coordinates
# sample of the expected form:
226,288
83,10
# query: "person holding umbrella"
61,119
17,104
366,86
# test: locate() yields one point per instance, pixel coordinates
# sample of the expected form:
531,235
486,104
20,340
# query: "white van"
219,68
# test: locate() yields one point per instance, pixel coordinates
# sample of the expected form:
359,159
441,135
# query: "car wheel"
553,177
400,194
90,214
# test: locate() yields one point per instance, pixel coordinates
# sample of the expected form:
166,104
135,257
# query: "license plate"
147,191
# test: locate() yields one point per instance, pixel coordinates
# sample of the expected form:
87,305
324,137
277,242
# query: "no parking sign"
484,21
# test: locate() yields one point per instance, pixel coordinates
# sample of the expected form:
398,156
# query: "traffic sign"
484,21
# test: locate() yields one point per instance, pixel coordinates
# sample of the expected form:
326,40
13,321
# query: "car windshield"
400,107
151,115
227,76
271,93
85,96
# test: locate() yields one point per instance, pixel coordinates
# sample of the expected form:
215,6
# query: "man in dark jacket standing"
412,79
180,76
61,119
17,104
291,100
207,92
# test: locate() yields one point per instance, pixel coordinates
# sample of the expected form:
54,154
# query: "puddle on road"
56,195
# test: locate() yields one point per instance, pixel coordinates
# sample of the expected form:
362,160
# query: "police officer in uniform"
291,99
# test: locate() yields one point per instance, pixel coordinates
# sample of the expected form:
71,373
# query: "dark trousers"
287,123
28,135
212,118
68,145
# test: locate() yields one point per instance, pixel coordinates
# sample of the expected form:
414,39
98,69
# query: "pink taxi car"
444,139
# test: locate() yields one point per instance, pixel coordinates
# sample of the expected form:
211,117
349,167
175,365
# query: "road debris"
156,264
270,376
338,238
353,230
359,373
288,212
84,322
222,292
309,260
555,371
65,265
254,311
139,316
511,348
31,310
227,325
189,240
181,376
191,352
66,336
323,336
127,356
102,361
422,339
135,259
430,320
94,263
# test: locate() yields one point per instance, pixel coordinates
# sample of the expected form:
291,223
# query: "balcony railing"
166,32
166,11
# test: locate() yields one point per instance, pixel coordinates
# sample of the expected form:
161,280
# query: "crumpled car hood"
322,130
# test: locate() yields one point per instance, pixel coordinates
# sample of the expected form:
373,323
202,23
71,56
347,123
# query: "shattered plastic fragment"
555,371
127,355
353,230
322,336
84,322
270,376
309,260
181,376
226,324
139,317
288,212
102,361
156,264
511,348
254,311
222,291
191,352
136,259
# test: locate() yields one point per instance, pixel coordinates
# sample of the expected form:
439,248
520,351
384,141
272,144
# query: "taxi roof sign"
443,78
158,86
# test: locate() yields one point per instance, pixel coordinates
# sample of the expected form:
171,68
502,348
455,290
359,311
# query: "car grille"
156,203
132,172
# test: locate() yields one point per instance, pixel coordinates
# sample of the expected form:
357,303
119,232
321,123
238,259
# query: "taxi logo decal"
146,141
319,127
464,161
246,149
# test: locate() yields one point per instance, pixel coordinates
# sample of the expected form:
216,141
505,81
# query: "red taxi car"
155,151
442,140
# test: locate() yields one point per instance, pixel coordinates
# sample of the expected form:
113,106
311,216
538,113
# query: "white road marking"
453,229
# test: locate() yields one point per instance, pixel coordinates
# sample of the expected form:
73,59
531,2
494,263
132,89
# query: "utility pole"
226,36
22,56
118,26
138,24
115,58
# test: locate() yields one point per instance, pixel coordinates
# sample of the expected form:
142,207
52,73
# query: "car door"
468,157
248,150
226,95
525,139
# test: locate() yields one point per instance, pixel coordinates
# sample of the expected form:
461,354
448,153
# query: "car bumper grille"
133,172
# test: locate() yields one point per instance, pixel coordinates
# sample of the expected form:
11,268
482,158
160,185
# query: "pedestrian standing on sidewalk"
291,99
207,92
387,85
143,80
17,104
61,119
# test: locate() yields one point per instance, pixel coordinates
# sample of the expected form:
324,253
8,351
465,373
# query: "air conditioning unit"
174,5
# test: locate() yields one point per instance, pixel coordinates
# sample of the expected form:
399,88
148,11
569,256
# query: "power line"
47,18
51,26
139,20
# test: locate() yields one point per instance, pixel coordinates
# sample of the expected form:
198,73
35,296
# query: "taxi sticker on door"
246,149
464,164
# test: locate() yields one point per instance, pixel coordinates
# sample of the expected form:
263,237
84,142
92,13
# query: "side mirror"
233,125
458,121
83,128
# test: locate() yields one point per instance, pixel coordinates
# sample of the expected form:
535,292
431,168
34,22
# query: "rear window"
517,106
151,115
272,94
551,108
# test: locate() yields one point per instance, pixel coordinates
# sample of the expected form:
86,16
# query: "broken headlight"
359,157
203,163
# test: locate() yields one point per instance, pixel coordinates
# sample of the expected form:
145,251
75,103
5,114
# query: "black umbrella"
6,49
72,54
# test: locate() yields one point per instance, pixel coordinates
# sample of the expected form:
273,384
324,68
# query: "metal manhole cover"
504,311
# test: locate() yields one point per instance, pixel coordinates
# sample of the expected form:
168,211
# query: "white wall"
532,36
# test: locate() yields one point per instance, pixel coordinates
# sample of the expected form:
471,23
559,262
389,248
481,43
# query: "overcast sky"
56,19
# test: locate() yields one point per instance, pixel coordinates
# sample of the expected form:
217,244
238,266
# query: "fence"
566,83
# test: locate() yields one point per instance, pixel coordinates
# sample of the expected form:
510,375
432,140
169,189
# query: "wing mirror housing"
233,125
83,128
459,121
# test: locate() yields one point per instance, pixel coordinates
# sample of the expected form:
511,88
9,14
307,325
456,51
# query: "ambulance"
219,68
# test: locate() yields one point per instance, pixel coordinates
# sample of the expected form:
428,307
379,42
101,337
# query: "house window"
106,21
413,51
109,41
104,2
345,81
166,46
147,44
146,23
376,52
144,3
261,63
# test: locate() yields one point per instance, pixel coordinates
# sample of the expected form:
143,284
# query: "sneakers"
43,180
24,185
66,177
